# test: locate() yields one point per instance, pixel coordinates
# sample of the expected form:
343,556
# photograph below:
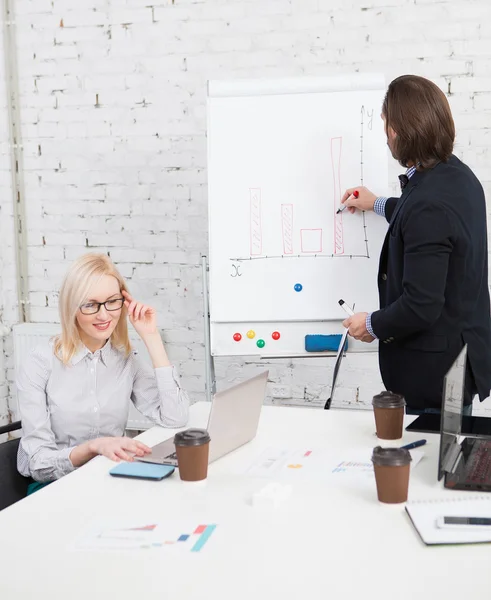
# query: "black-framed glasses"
92,308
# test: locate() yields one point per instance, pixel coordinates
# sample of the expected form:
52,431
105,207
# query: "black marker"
346,308
355,194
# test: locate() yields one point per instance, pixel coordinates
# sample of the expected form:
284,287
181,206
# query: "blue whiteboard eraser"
323,343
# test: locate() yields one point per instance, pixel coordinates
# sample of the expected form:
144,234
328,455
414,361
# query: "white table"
326,541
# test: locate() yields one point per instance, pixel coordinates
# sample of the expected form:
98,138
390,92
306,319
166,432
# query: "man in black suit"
433,273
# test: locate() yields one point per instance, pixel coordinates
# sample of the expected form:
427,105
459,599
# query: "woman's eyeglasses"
91,308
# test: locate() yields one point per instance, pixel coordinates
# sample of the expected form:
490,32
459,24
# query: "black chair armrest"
10,427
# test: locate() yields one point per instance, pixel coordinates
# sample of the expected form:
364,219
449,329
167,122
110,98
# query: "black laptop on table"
465,459
471,426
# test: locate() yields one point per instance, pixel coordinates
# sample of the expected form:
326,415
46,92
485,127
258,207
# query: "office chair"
13,486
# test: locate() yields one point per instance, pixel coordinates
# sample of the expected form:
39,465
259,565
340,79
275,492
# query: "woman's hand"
144,320
142,317
117,448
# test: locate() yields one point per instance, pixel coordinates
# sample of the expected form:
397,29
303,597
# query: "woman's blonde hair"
78,281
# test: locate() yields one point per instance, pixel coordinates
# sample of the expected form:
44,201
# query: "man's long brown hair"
419,113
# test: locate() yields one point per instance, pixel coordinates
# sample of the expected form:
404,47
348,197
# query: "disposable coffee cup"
192,449
388,409
391,466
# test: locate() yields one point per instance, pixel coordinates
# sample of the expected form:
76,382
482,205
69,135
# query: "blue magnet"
298,287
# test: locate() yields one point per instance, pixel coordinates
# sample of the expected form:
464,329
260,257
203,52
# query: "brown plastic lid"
388,400
391,457
192,437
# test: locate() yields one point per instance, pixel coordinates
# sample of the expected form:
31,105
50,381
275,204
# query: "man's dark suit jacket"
433,285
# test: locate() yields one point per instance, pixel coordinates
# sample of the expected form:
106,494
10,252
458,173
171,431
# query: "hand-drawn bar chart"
310,239
281,155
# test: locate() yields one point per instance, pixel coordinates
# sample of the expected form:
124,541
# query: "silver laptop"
233,421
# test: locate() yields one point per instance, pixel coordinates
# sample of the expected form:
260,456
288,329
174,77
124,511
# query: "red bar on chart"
200,529
287,227
311,240
255,222
336,149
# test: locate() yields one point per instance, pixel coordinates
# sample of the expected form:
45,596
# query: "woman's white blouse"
64,406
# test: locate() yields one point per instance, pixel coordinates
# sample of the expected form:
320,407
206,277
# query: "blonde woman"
74,391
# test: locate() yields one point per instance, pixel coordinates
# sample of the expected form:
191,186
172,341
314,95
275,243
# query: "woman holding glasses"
74,391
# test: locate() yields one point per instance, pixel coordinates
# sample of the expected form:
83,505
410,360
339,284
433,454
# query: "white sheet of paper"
143,534
274,462
359,463
316,464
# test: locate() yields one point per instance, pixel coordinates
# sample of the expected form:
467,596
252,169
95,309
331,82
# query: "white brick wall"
114,126
7,280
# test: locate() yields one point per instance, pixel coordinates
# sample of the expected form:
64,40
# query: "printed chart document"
317,464
144,534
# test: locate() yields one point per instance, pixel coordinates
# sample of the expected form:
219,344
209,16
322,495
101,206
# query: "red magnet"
276,335
237,337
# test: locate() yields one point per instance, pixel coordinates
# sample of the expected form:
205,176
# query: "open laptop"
465,459
233,421
471,426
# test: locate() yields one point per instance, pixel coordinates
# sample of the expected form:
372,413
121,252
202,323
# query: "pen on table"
414,445
355,194
346,308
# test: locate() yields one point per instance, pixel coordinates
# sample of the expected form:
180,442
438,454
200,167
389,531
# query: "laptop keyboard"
480,464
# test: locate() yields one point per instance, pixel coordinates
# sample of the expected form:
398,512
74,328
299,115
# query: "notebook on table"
426,514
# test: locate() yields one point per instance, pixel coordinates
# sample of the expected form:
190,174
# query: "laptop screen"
451,419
